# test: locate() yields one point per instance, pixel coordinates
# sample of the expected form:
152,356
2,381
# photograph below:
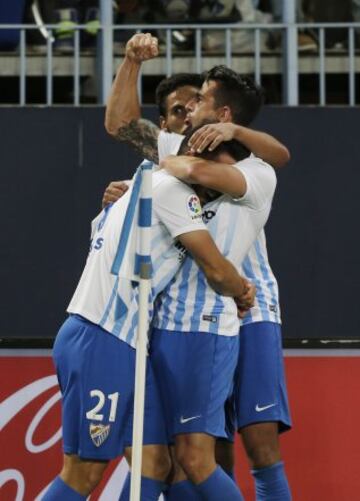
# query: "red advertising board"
322,452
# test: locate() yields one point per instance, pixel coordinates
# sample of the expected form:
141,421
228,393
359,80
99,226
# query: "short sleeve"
178,207
260,183
168,144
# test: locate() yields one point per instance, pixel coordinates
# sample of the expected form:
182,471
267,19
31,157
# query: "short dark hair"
233,148
170,84
243,96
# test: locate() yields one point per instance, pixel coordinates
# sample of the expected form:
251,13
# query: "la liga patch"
194,206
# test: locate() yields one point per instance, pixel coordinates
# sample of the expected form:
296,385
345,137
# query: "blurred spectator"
332,11
306,39
69,13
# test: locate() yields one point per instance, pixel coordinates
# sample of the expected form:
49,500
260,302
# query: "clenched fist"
142,47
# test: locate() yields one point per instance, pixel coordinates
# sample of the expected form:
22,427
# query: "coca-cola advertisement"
30,438
321,452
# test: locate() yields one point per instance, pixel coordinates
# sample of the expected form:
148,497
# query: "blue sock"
150,489
271,483
218,486
182,490
59,490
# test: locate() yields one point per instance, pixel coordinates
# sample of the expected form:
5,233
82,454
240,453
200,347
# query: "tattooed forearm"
142,135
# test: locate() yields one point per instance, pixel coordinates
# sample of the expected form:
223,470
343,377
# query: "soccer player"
192,324
123,116
94,350
259,422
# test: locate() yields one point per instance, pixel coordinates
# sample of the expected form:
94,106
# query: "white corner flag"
133,261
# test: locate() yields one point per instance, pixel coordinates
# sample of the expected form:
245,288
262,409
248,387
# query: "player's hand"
247,300
210,136
113,192
142,47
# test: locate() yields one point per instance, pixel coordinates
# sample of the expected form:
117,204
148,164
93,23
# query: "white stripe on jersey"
256,268
188,304
111,301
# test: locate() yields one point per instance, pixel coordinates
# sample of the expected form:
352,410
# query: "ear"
162,122
225,114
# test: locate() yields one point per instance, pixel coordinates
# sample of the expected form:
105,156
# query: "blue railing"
103,64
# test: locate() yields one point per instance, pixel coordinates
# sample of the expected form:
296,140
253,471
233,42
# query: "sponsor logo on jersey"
208,215
99,433
194,207
182,251
210,318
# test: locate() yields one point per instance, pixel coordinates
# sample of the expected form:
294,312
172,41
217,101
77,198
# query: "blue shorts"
194,372
96,374
260,389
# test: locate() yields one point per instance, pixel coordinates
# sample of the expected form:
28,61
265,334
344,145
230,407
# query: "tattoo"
142,135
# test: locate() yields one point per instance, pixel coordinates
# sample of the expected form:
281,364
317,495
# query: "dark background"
55,164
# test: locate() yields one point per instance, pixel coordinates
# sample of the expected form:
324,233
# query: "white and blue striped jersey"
257,269
255,266
189,304
106,299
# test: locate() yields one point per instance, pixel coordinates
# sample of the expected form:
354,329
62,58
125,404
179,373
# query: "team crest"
194,206
99,433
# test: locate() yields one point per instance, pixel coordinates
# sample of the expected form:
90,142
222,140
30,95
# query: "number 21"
94,412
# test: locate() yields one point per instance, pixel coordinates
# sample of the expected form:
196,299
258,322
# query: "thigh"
96,376
260,389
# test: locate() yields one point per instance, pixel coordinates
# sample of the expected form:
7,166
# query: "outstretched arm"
123,115
261,144
217,176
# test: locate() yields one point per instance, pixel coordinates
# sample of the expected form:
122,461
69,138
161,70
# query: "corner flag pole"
143,261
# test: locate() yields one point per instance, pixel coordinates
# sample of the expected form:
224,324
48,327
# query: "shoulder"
168,143
254,167
260,182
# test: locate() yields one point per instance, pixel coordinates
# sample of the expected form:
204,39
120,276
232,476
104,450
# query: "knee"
156,462
83,477
263,455
190,459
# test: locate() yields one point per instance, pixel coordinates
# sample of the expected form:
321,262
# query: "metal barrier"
256,61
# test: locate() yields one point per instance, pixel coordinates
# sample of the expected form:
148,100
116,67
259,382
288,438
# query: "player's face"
201,109
176,109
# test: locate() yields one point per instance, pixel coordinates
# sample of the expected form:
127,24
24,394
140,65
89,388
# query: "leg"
156,462
156,466
92,366
180,487
224,454
195,374
261,442
262,407
196,454
78,478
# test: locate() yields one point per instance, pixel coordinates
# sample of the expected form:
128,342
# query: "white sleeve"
168,144
95,223
178,207
260,183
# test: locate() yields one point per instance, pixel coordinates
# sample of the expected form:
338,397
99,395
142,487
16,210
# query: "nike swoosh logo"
185,420
260,409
